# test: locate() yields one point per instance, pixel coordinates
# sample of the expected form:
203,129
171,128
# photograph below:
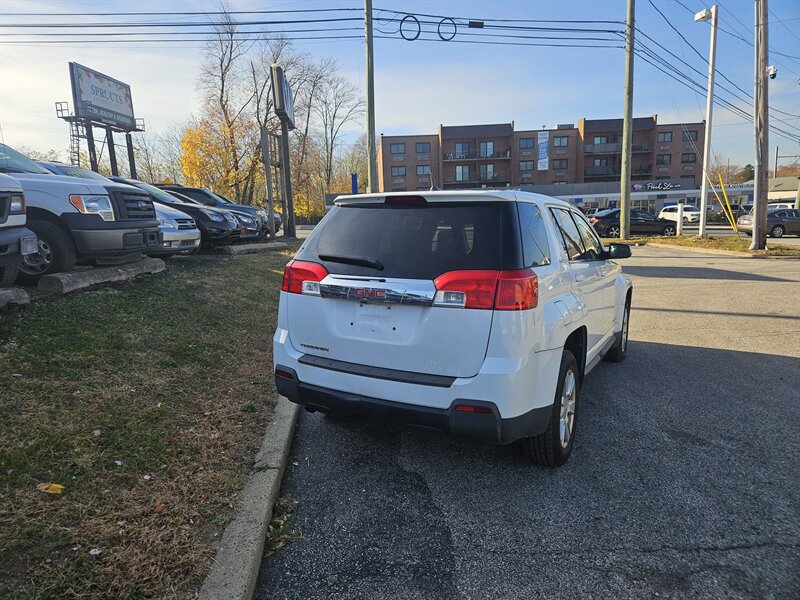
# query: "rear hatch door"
375,306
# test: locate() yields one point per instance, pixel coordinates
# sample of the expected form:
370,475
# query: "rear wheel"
668,231
777,231
613,231
55,253
553,447
8,275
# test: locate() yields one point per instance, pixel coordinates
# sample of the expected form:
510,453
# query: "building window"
559,164
690,136
525,143
561,141
487,149
423,169
689,157
398,171
664,137
462,149
462,172
600,162
526,165
423,147
397,148
601,139
487,172
664,159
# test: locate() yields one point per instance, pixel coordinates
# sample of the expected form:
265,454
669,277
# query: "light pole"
706,15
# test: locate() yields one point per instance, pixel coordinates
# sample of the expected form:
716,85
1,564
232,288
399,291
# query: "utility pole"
775,172
705,15
761,125
372,175
627,129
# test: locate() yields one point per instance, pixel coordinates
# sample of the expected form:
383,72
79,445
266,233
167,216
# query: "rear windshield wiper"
359,261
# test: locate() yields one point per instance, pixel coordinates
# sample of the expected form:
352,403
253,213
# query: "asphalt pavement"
684,481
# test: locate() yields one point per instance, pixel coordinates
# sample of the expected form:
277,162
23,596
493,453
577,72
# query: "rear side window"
569,233
417,242
593,249
535,250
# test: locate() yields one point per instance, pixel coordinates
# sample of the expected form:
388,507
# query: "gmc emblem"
369,293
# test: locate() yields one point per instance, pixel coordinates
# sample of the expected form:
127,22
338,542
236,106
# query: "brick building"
496,155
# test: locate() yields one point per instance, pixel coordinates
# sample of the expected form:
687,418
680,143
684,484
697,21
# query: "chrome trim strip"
372,295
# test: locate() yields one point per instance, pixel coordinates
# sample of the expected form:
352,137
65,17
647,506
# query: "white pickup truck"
479,313
16,240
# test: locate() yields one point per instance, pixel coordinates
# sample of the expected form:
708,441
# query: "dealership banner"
100,98
543,152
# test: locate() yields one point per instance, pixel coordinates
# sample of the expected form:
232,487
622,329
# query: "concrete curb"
13,297
720,252
238,562
62,283
255,248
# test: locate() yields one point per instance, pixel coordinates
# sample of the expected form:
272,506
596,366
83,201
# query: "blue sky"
422,84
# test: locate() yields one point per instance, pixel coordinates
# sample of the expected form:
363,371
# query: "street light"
708,14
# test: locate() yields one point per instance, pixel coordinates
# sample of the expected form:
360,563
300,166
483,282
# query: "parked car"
606,223
590,211
478,312
16,240
79,220
209,198
780,222
217,227
179,234
780,205
691,214
277,216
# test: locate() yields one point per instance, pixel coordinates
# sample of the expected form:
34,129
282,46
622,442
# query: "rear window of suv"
418,242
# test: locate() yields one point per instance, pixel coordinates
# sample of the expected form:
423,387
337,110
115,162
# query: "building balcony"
479,180
615,148
476,155
601,171
611,148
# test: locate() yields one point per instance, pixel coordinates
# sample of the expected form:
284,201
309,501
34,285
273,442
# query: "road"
684,480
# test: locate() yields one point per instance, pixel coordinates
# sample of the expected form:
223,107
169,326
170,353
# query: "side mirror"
619,251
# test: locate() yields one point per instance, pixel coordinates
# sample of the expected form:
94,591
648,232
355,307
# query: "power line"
176,24
180,13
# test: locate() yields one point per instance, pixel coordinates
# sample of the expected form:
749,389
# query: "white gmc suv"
474,312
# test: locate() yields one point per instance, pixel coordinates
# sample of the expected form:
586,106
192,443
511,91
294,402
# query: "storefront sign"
657,186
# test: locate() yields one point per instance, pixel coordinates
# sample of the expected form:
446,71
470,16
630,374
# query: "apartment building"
496,155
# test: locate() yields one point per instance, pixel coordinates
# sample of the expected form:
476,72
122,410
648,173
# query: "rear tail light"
594,220
498,290
406,200
301,277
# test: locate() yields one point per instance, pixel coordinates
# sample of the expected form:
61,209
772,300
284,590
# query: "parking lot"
683,481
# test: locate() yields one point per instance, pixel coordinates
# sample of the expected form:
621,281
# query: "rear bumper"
489,426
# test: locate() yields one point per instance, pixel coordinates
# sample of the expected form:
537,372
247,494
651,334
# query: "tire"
668,231
613,231
56,253
777,231
619,350
8,275
550,449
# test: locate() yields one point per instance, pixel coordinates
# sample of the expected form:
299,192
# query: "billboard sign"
543,151
101,98
282,96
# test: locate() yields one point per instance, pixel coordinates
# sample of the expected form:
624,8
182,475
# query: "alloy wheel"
777,231
613,231
569,394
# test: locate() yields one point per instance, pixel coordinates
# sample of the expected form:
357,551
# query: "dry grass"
147,402
740,243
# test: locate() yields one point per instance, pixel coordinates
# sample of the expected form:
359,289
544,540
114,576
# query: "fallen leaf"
50,488
91,357
160,508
